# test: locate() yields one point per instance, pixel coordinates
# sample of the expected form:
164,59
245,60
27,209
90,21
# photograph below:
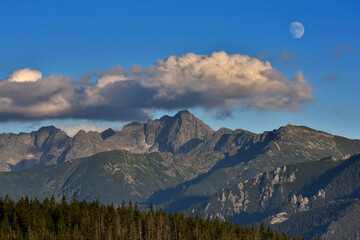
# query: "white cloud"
200,73
219,81
230,79
289,95
113,75
71,130
25,75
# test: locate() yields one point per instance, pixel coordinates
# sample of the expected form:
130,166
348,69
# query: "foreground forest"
32,219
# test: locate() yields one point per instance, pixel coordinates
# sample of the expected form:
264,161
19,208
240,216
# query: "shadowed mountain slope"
258,153
111,176
305,198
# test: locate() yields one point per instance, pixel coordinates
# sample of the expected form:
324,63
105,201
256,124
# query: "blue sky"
71,38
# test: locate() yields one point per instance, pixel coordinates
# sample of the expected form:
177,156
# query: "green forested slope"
110,177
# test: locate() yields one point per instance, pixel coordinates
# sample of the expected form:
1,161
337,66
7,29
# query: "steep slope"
247,155
110,176
180,133
306,198
85,144
346,227
27,150
336,220
49,145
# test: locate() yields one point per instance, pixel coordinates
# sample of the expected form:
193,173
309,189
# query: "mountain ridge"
182,132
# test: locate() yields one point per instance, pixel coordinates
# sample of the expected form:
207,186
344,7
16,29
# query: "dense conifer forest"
49,219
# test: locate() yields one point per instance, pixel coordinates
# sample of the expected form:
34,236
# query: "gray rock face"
182,133
300,199
49,145
26,150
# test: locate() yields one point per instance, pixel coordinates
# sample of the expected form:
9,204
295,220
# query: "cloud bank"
339,51
330,77
287,56
219,81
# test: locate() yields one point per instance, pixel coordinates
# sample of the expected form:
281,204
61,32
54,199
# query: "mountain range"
282,177
50,145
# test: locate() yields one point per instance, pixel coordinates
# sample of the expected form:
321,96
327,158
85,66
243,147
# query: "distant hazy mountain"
308,198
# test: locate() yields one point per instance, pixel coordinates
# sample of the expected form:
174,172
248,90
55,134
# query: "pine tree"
32,219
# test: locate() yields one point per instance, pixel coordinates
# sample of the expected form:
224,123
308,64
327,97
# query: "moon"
296,30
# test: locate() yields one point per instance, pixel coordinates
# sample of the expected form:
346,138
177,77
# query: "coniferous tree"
32,219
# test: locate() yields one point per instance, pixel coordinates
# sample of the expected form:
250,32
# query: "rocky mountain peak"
47,128
80,133
185,117
183,114
182,132
131,126
107,133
